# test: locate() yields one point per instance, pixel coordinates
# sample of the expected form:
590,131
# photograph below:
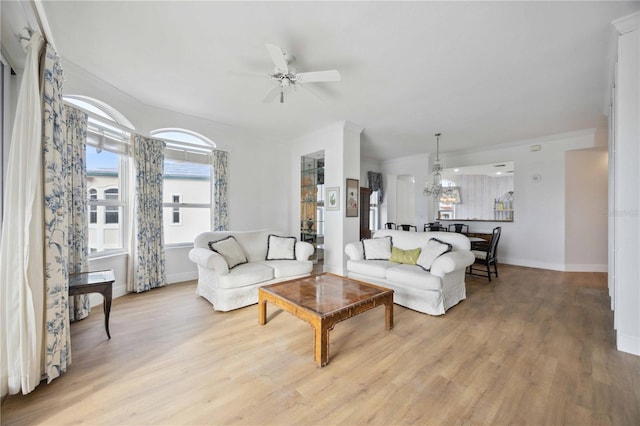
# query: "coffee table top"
325,293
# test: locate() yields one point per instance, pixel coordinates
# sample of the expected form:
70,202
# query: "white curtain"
21,255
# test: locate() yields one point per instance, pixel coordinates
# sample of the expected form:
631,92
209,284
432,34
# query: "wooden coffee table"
323,301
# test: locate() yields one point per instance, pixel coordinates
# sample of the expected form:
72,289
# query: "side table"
94,282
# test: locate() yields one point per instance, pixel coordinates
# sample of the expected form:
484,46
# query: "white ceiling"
482,73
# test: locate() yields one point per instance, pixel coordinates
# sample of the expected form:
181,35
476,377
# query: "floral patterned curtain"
220,191
76,180
149,260
57,217
375,183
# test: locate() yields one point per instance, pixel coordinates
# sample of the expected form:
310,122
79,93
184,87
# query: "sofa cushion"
372,268
413,276
482,255
410,257
246,274
431,252
254,243
281,248
230,250
377,248
286,268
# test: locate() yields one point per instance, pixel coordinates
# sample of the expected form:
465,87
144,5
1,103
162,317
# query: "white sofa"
429,292
229,289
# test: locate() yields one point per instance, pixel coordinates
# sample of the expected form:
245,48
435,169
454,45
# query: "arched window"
187,192
107,160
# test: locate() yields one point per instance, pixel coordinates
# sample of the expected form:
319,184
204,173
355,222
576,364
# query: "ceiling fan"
285,75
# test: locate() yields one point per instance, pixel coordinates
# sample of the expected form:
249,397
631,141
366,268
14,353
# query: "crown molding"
620,26
627,23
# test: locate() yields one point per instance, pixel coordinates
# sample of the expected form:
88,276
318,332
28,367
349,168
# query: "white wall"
368,165
258,166
392,169
405,200
537,237
625,194
341,144
586,190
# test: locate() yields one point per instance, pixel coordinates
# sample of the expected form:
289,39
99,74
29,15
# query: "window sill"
178,245
107,255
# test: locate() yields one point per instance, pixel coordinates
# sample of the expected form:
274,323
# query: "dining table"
475,241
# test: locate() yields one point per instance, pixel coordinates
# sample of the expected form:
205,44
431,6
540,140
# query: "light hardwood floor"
532,347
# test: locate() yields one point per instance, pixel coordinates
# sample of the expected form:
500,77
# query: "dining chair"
434,226
390,225
460,228
407,227
486,255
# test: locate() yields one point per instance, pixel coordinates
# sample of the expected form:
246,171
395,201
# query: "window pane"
194,221
186,182
190,180
106,236
93,209
103,182
111,212
181,137
103,164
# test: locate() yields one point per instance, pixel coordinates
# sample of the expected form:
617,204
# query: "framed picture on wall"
352,197
332,199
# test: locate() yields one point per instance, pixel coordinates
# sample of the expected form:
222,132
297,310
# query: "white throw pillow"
230,250
281,248
377,248
434,249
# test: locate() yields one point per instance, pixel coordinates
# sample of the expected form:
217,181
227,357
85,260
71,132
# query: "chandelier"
437,190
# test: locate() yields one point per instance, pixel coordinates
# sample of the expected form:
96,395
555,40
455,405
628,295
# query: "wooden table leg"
321,344
107,309
388,314
262,311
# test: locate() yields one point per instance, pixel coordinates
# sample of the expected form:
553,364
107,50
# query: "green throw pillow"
410,257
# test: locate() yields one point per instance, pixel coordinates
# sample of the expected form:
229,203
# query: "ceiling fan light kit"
286,76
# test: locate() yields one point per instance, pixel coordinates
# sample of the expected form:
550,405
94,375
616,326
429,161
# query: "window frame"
112,205
92,197
113,136
195,153
101,205
176,209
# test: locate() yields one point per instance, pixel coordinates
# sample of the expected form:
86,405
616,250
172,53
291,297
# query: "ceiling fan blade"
317,76
271,95
278,58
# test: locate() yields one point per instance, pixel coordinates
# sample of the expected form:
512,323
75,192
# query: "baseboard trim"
628,344
585,268
555,266
531,264
183,276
